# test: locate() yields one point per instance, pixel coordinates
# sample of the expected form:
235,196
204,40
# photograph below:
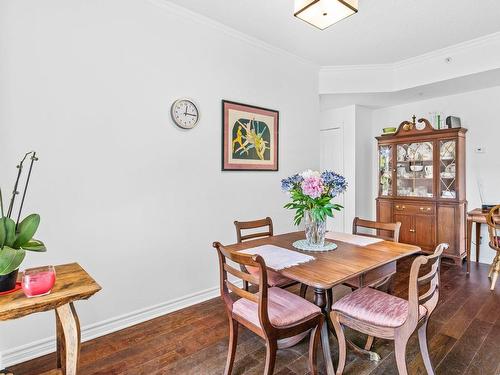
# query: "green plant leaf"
10,259
34,245
7,231
26,230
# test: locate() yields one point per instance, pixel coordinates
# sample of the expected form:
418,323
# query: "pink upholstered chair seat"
273,277
284,308
375,307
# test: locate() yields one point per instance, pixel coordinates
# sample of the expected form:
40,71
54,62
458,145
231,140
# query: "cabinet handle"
412,230
421,208
428,208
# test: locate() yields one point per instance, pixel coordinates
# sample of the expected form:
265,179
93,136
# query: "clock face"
185,113
420,125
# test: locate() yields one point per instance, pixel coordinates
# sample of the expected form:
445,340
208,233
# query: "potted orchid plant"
312,193
16,236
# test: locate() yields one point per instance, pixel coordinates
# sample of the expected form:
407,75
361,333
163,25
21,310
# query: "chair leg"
422,340
303,290
271,348
492,265
245,285
400,353
369,342
313,347
233,341
342,343
496,271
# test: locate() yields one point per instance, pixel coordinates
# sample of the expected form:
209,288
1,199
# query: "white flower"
310,173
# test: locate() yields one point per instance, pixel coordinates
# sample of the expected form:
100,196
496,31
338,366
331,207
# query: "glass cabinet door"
385,170
447,169
414,170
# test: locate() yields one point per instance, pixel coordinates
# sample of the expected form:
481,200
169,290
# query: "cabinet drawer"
414,209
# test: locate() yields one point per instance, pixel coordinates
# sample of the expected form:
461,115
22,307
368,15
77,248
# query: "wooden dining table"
331,268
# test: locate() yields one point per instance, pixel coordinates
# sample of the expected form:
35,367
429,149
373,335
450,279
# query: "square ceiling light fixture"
324,13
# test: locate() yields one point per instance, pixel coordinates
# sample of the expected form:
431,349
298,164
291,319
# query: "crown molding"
450,50
366,67
466,58
206,21
442,52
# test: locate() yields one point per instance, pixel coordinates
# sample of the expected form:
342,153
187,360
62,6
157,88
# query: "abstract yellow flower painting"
250,137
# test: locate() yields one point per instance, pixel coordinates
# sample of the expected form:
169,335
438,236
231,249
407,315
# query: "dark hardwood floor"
464,338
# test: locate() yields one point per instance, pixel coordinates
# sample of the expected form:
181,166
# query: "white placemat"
279,258
352,238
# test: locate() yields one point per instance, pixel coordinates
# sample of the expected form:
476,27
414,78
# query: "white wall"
479,113
121,190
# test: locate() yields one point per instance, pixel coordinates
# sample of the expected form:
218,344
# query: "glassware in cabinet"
385,170
414,170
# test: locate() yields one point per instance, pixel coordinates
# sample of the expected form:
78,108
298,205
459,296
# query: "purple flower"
289,183
335,182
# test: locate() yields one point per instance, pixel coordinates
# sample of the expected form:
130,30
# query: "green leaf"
7,231
26,230
34,245
10,259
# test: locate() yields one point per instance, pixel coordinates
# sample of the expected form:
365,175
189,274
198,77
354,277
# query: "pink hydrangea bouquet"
312,192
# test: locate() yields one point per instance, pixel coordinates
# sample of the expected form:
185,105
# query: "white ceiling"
454,86
383,31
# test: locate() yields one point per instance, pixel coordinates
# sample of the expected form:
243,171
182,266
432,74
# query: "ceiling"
453,86
383,31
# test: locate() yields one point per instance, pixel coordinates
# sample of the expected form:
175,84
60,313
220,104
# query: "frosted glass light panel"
324,13
385,170
414,170
448,170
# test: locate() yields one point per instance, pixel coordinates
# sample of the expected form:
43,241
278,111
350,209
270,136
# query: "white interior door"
332,158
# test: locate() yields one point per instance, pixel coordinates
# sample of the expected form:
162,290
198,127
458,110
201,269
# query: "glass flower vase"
315,230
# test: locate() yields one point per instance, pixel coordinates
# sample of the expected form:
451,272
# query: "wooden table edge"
17,313
413,249
329,286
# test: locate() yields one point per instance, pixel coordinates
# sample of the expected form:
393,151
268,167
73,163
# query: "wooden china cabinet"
422,184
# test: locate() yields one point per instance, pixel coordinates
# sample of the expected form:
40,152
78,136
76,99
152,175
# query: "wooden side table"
72,284
477,216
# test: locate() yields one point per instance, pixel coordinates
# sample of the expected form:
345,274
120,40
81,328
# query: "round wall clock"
185,113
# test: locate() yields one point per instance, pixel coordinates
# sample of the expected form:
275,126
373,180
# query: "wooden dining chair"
273,278
272,313
381,277
380,314
493,222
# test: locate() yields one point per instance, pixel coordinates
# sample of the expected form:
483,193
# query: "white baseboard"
41,347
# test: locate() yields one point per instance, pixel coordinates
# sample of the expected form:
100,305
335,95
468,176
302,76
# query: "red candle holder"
38,281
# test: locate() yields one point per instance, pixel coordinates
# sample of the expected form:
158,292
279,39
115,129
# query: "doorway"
332,158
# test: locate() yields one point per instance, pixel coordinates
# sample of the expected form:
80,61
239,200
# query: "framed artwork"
249,137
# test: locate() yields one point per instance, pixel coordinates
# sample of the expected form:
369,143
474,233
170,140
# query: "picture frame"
250,137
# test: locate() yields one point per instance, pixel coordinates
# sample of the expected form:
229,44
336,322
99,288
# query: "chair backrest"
226,286
385,231
248,225
493,221
428,282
